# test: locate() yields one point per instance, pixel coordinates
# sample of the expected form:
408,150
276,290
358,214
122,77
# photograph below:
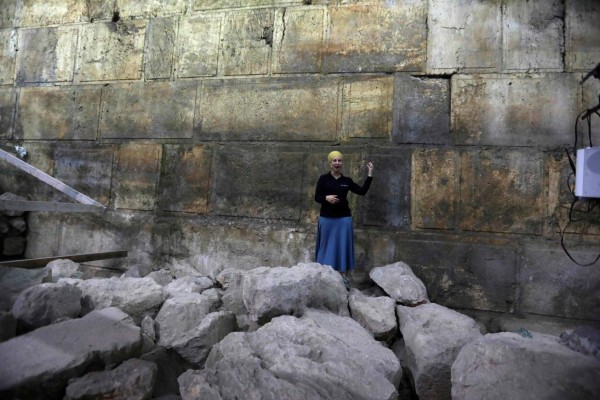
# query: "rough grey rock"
14,280
134,379
433,336
18,224
46,303
229,275
38,364
233,298
163,277
319,356
400,283
8,326
197,265
189,284
170,367
270,292
182,313
12,197
64,268
135,296
376,314
195,345
584,339
510,366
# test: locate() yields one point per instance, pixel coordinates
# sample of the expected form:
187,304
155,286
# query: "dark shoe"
346,282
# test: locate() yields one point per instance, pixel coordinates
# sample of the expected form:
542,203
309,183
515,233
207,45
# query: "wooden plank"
79,258
16,205
44,177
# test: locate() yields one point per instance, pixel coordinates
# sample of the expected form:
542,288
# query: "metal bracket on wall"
85,203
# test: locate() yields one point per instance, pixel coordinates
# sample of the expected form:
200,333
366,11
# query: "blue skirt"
335,243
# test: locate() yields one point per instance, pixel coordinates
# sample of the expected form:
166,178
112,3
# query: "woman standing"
335,235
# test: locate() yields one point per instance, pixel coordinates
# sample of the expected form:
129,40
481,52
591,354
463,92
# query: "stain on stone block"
8,102
367,108
137,176
148,111
52,12
58,113
8,55
46,54
376,37
198,46
102,10
160,47
147,9
582,33
8,14
185,179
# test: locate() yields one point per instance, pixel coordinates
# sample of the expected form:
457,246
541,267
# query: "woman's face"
336,164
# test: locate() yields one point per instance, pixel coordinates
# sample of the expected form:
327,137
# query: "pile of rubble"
13,230
267,333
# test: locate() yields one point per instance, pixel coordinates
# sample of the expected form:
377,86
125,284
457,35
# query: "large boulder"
39,364
14,280
132,380
270,292
376,314
319,356
400,283
508,365
433,336
233,298
64,268
43,304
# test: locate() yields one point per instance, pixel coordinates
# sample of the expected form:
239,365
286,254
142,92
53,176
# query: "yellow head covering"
333,154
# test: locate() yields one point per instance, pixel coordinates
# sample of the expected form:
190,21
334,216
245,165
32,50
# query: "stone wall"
204,125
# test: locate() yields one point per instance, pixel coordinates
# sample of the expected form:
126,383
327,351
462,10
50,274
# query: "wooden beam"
44,177
17,205
79,258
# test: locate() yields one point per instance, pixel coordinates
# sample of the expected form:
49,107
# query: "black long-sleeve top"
327,185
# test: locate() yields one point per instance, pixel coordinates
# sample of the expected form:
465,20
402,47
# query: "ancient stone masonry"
204,125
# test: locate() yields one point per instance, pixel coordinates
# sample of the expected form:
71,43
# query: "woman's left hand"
370,168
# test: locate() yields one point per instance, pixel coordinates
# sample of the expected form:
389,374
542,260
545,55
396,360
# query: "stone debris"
400,283
64,268
375,314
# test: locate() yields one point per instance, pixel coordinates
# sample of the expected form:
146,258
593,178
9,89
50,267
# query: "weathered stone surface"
421,110
461,275
189,284
196,344
582,50
12,197
14,280
269,109
134,379
195,265
375,314
148,111
51,12
160,48
507,365
400,283
270,292
163,276
8,326
8,55
137,176
8,14
185,179
435,188
315,357
533,36
433,336
583,339
170,366
99,10
46,54
143,8
13,246
367,108
502,191
247,42
388,36
198,46
111,51
514,110
38,364
577,295
464,38
259,177
58,113
298,40
233,298
46,303
224,4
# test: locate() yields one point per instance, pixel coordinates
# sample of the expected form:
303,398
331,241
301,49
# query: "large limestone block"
433,336
8,55
502,191
270,292
514,110
189,284
582,29
8,14
533,37
367,108
328,357
14,280
137,176
298,40
464,36
268,110
552,284
47,54
132,9
509,366
49,113
160,48
381,36
201,5
156,110
375,314
111,51
38,364
198,46
52,12
400,283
